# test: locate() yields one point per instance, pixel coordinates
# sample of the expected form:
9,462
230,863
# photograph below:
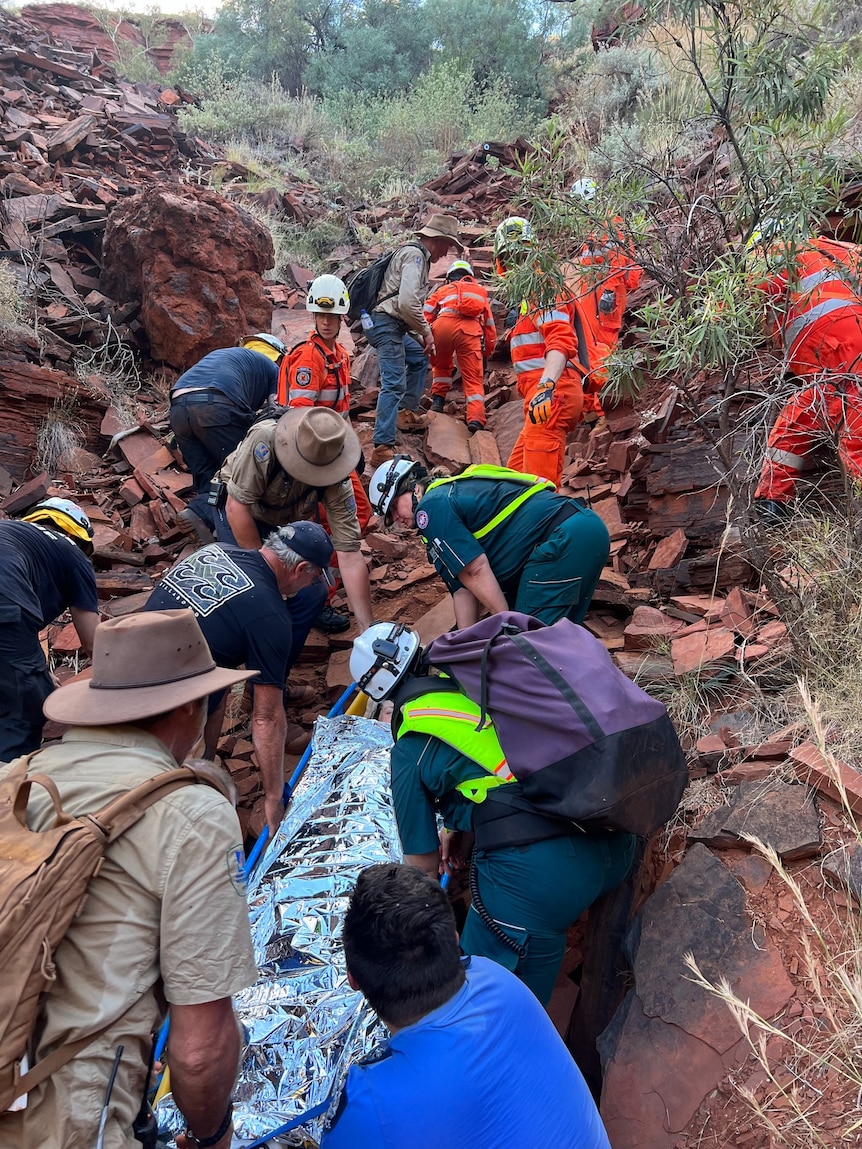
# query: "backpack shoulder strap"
114,819
119,815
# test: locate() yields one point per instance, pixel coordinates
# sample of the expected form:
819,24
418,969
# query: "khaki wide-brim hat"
445,226
143,665
316,446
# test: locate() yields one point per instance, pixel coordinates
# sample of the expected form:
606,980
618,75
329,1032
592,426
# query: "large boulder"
194,263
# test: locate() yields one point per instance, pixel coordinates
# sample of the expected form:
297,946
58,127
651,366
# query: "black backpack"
364,286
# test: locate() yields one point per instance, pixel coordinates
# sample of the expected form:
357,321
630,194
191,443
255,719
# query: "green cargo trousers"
535,893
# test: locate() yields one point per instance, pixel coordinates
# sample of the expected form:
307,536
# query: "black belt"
506,819
207,395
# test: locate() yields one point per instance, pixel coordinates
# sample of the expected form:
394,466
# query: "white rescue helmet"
459,265
381,656
265,344
328,295
770,228
67,517
513,233
585,189
389,481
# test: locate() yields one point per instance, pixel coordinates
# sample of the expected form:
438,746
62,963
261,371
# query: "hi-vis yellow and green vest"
455,720
532,485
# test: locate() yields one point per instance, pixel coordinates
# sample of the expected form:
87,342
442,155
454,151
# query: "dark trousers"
560,575
24,682
207,427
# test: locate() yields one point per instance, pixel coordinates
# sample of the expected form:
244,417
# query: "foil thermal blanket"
305,1025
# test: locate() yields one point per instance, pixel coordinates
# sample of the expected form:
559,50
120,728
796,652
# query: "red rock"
773,634
737,614
704,605
669,551
448,442
67,641
648,627
387,545
195,262
609,512
828,777
698,650
752,771
484,449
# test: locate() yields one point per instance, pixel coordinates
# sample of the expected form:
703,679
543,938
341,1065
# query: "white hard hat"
585,189
65,515
513,232
459,265
381,656
328,295
264,344
389,481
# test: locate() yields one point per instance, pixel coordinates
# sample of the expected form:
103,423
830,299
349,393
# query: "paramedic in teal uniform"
498,539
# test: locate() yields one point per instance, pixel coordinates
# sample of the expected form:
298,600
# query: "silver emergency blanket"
304,1023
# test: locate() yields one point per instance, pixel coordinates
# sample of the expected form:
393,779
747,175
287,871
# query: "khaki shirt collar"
125,736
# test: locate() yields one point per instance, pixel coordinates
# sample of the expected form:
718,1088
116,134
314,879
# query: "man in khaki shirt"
401,333
279,473
165,921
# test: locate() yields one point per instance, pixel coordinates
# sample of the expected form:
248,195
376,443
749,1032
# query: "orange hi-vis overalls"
604,274
459,315
540,449
311,375
815,316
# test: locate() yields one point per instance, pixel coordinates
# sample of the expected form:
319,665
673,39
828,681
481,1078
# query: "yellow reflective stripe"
510,508
476,789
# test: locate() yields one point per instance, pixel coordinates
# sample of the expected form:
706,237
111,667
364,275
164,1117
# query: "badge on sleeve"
303,376
421,520
261,452
235,858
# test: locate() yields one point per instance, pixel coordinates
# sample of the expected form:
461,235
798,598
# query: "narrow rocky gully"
138,269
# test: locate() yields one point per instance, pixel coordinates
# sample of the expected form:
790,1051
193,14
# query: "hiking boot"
381,455
438,403
192,522
412,421
772,513
331,621
475,426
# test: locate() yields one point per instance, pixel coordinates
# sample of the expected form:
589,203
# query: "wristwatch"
205,1142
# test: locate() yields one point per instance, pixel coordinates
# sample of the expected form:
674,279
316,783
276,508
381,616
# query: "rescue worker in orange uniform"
814,315
546,355
459,315
605,273
317,374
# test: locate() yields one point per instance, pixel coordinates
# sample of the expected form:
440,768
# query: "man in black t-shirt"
44,569
213,404
238,597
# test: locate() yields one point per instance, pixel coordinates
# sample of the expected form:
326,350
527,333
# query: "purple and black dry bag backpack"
584,741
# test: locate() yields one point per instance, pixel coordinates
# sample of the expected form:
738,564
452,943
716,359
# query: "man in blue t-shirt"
473,1057
44,568
213,404
255,608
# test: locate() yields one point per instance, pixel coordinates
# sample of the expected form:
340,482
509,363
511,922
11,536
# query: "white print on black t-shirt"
206,579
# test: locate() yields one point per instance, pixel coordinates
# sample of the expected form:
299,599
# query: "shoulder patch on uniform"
350,504
419,261
303,376
235,858
261,452
421,520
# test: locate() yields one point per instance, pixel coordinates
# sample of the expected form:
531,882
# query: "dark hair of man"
400,943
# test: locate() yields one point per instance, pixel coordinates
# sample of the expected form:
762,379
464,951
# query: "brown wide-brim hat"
143,665
445,226
316,446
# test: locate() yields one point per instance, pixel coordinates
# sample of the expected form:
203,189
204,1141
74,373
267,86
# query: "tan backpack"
44,877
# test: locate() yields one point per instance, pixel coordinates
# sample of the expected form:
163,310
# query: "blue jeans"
403,368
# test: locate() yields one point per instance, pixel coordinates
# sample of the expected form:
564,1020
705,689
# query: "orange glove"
539,408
